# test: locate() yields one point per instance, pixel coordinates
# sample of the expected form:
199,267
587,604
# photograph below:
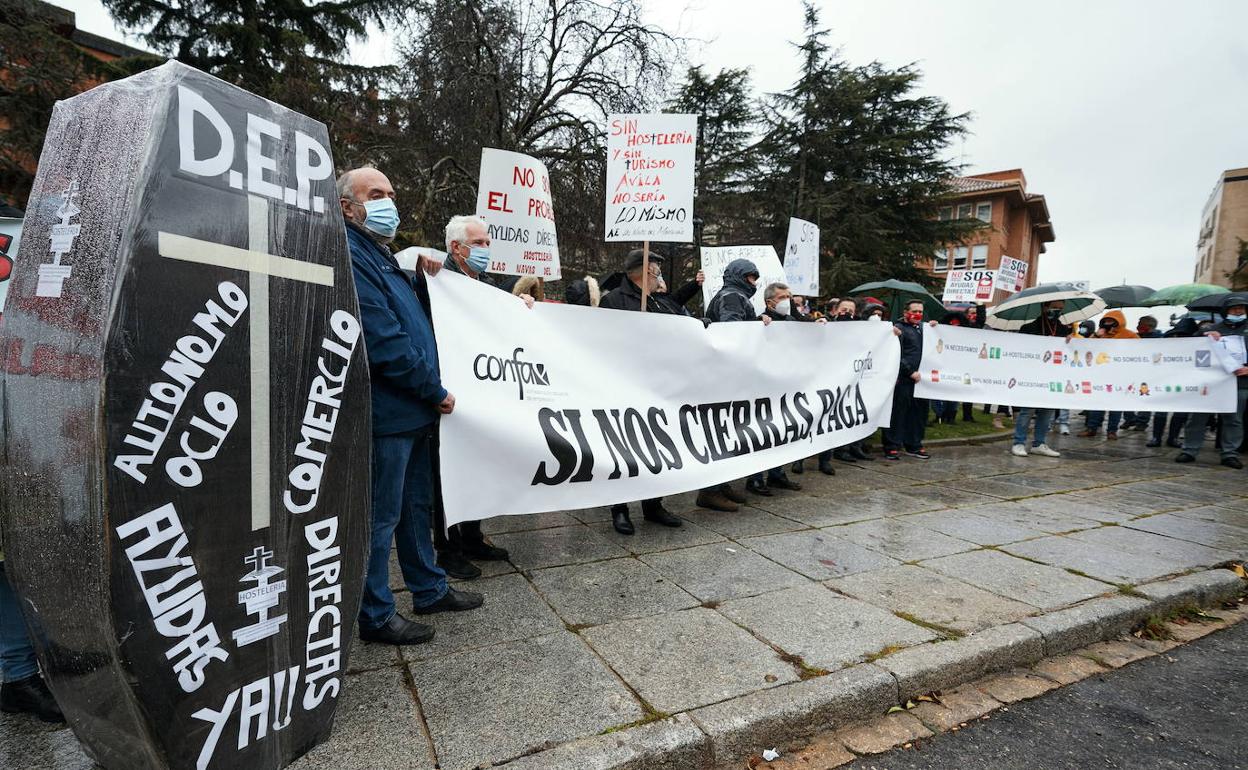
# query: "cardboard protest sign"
801,257
716,258
968,286
1012,275
650,162
513,197
186,512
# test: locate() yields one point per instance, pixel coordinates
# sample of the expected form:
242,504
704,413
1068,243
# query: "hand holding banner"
650,161
801,257
513,197
716,258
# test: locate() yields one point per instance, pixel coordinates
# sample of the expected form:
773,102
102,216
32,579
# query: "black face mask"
1052,315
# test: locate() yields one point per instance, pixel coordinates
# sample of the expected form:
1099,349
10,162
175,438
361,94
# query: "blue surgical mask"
381,217
1236,318
478,259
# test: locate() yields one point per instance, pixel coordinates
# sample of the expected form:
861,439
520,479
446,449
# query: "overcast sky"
1121,113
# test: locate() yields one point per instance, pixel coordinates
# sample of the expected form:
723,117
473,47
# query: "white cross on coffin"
260,266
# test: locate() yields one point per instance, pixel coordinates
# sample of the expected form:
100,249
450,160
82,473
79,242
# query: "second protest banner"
1152,375
513,197
801,257
716,258
968,286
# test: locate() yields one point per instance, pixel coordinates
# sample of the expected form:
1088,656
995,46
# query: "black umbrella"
1214,303
1124,296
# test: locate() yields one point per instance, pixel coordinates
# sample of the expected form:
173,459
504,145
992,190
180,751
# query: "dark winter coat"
911,350
1043,327
627,296
732,303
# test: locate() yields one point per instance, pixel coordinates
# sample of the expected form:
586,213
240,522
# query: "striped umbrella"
1027,305
1182,294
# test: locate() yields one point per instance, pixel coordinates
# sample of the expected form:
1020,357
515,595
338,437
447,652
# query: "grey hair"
773,289
343,185
457,228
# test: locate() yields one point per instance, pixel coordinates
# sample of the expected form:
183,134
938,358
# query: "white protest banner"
650,161
10,237
968,286
801,257
1012,275
1148,375
513,197
716,258
549,416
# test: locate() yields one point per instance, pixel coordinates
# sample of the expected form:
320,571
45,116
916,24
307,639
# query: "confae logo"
495,369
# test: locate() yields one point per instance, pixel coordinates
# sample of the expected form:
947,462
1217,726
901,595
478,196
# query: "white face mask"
784,307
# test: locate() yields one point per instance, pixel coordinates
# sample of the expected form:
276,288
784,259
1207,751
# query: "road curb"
722,735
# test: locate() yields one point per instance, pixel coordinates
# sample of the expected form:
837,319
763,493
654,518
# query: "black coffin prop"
186,408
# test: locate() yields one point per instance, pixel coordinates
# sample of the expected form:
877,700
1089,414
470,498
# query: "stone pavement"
692,647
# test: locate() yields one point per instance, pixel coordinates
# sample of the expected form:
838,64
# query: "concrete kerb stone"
675,743
1199,588
789,715
1087,622
944,665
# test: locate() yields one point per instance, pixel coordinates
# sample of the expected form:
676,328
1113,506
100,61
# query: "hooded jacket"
1122,332
398,338
732,303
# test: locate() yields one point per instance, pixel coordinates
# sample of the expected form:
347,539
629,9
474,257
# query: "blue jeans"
17,655
1096,418
1022,417
402,501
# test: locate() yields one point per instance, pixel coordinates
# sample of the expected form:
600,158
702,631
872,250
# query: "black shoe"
920,453
30,696
844,456
797,467
454,601
1152,443
1233,462
621,522
660,515
856,452
785,483
1174,443
825,466
398,630
454,564
1184,457
758,488
483,551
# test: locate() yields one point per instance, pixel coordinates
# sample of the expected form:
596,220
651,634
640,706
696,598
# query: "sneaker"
1018,450
919,453
1044,451
1063,429
892,454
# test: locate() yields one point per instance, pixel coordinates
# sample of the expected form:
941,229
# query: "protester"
407,400
23,691
468,253
947,411
1113,326
801,310
909,413
846,310
777,301
1185,327
1234,324
627,296
583,291
1146,328
873,309
1048,324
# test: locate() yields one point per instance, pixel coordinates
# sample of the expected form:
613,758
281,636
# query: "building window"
959,257
964,210
946,213
979,255
983,212
941,260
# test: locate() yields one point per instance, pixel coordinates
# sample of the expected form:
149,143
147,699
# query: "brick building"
1220,258
1017,225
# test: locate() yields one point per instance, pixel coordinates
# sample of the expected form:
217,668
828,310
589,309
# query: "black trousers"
647,506
909,419
1177,421
449,540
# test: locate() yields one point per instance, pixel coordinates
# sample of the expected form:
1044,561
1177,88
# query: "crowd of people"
408,400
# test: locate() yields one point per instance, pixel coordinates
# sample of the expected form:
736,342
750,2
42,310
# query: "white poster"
1012,275
650,160
549,416
716,258
801,257
513,197
1148,375
10,237
969,286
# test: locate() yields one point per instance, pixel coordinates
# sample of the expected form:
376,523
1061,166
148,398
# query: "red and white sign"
969,286
650,177
513,197
1012,275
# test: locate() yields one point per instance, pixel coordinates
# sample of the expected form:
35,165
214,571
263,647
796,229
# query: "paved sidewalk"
800,612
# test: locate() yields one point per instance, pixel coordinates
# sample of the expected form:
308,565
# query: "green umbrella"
1182,294
1025,306
1123,296
895,294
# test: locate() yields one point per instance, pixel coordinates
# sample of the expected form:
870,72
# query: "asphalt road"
1184,709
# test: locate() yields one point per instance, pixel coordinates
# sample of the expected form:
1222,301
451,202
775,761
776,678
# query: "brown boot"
714,499
727,491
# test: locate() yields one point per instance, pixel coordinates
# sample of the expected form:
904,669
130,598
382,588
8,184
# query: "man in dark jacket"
467,253
627,296
407,400
1048,324
909,413
1234,324
1185,327
778,306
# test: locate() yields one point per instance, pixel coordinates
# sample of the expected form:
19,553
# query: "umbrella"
1026,306
1213,303
1182,294
1123,296
894,293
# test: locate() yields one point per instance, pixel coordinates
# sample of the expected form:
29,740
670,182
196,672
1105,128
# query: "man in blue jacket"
407,399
